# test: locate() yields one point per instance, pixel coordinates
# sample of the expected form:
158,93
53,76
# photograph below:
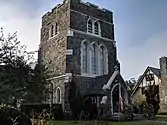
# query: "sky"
140,28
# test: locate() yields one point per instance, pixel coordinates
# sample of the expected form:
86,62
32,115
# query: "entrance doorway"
115,100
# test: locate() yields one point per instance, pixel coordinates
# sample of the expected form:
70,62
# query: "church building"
79,37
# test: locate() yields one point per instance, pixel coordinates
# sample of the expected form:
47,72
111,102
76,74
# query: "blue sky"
140,28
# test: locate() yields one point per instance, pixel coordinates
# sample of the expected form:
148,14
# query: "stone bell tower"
82,34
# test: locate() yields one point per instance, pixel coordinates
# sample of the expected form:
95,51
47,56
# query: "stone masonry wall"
163,85
74,43
138,97
53,50
57,83
91,10
79,15
78,21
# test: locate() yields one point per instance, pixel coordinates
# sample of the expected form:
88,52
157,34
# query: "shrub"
129,112
10,116
150,111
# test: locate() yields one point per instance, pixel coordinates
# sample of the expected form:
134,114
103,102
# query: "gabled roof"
156,71
97,87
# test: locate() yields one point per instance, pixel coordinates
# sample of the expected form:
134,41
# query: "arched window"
90,27
58,94
94,59
102,61
96,28
85,57
56,28
52,31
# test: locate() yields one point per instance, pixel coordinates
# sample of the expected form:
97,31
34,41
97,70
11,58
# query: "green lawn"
160,120
108,123
161,117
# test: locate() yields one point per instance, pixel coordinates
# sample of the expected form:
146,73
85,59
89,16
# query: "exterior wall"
78,21
138,98
157,80
74,43
85,83
57,83
79,15
163,85
92,10
53,50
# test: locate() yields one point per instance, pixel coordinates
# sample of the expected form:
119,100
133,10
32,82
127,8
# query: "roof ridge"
153,67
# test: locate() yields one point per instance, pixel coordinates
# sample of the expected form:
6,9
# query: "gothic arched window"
58,95
85,57
94,59
103,60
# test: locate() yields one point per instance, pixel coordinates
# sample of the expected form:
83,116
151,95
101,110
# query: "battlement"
58,6
88,4
95,6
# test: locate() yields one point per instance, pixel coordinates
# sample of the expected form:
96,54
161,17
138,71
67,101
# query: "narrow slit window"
52,31
56,29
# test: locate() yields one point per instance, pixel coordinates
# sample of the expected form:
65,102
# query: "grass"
161,117
108,123
160,120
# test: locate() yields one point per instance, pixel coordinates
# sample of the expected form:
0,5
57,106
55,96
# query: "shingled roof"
97,85
156,71
98,82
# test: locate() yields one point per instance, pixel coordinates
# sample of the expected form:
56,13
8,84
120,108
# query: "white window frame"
54,30
102,61
99,28
88,31
93,27
56,27
87,57
90,72
96,59
105,60
51,28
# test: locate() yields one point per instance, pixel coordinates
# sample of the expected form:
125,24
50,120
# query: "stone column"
163,84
